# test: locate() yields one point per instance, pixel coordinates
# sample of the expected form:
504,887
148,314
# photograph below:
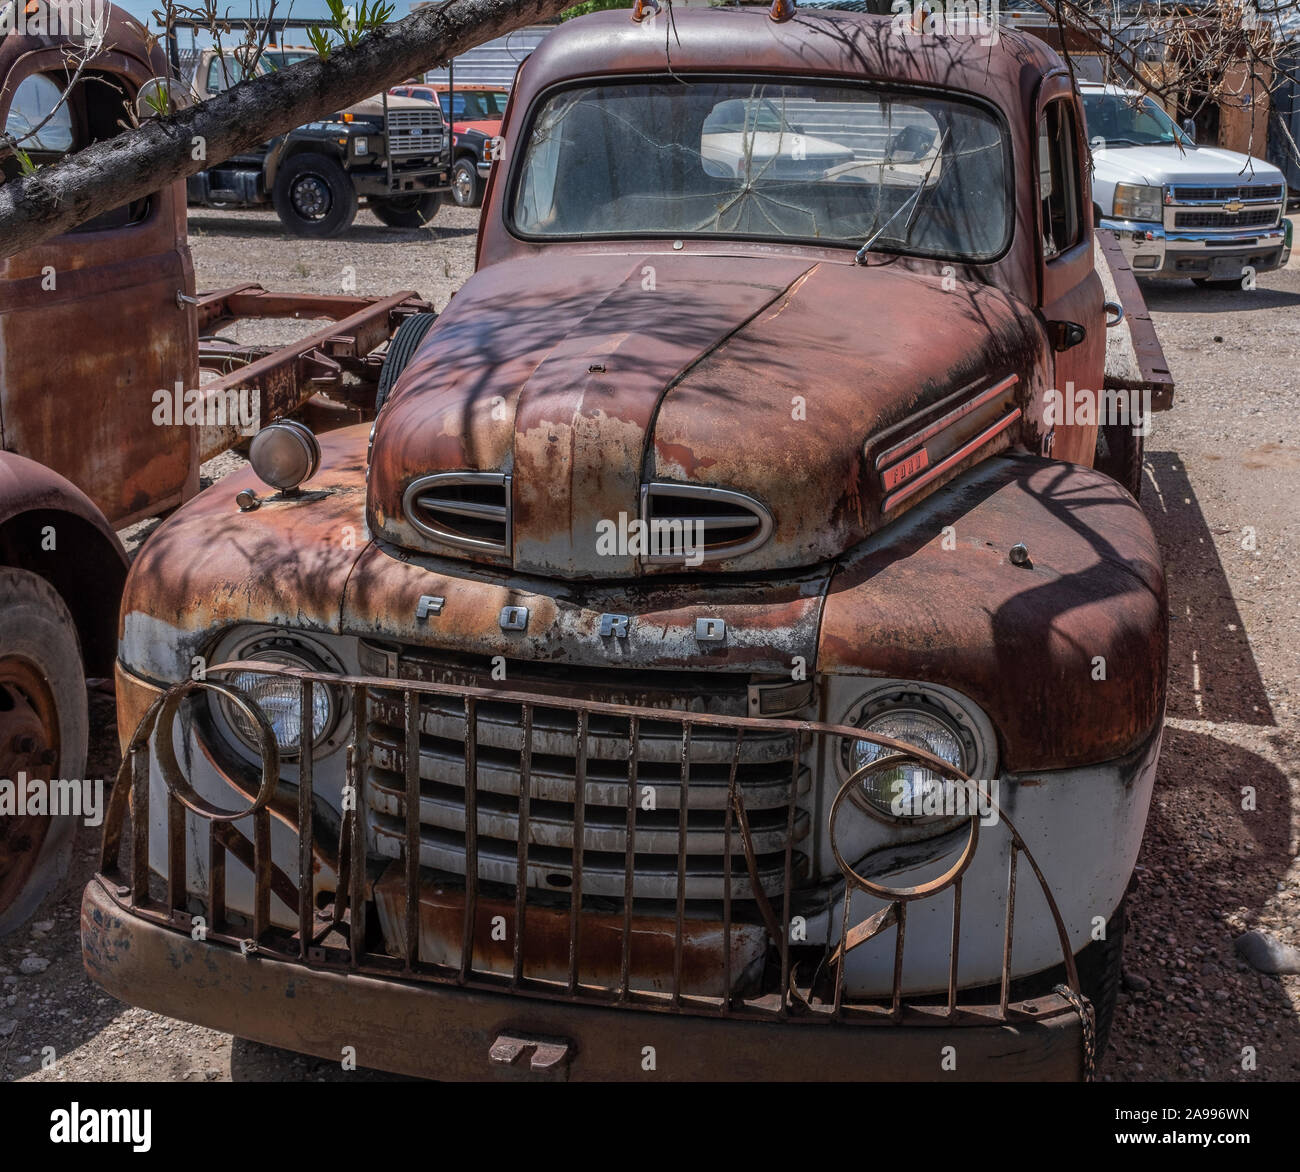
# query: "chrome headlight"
1136,201
908,788
284,454
931,718
280,697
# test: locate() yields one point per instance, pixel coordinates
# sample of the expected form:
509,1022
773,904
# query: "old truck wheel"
466,186
406,211
1119,455
405,342
43,731
1099,968
314,196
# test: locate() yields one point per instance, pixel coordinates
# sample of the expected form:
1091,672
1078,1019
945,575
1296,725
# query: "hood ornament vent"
723,523
470,510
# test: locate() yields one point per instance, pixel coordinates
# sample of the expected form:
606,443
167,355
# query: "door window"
1059,177
34,100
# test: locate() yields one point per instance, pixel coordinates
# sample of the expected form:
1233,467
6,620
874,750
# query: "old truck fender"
50,527
1064,645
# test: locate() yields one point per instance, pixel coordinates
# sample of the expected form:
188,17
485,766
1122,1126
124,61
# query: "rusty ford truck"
116,383
722,659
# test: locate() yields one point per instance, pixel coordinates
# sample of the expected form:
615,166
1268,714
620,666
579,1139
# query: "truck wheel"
406,211
1119,455
43,734
404,344
314,196
1099,974
466,186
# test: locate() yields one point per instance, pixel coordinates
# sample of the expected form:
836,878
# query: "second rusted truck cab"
719,661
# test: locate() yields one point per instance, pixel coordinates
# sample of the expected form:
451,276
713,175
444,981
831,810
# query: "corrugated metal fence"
495,62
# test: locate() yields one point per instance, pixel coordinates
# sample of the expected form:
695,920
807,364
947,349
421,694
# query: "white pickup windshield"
761,160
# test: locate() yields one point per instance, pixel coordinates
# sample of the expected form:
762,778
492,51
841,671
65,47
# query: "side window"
223,72
1059,179
34,100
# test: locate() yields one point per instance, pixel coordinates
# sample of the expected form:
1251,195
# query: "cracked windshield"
801,162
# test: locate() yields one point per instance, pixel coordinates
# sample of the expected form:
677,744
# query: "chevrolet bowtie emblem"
1233,205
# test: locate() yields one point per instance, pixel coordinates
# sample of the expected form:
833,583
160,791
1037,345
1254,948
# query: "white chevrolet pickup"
1180,210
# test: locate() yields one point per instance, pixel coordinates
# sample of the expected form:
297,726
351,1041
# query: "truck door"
1072,293
91,325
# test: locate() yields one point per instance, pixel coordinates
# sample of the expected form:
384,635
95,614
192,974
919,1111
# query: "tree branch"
135,164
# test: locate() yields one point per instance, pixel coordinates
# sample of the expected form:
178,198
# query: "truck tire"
466,186
1099,968
1119,455
404,344
314,196
406,211
43,734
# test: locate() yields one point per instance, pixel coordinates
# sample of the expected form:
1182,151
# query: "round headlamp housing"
279,696
284,454
933,719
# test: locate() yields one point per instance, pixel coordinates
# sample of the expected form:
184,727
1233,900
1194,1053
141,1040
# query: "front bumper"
452,1033
1152,250
405,179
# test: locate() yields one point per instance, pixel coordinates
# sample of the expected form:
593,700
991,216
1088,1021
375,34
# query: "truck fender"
289,146
49,527
1035,588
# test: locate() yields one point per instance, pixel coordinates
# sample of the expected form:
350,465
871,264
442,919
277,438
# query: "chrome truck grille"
685,911
414,132
632,811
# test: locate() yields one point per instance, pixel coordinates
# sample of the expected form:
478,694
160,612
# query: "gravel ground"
1222,479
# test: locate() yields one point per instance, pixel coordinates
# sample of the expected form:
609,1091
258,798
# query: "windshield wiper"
860,257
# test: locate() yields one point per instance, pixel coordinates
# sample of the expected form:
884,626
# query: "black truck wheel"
406,211
466,186
1119,455
43,731
404,344
314,196
1099,967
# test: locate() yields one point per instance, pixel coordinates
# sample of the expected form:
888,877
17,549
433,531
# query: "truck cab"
738,667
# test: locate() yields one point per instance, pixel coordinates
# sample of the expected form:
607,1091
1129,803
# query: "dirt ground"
1222,482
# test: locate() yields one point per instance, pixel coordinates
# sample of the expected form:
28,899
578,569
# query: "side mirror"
1189,129
159,96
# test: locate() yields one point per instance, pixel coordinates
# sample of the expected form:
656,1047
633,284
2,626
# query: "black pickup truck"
391,152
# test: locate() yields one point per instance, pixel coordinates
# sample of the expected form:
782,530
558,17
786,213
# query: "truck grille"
414,132
321,898
633,781
1223,194
1262,218
470,510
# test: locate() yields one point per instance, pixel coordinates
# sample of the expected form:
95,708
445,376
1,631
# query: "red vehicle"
476,123
739,667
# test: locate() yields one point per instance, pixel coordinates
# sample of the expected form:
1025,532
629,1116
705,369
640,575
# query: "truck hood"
374,107
585,378
1157,165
